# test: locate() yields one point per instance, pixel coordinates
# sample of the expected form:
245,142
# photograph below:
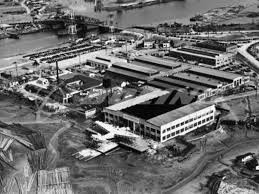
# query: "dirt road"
203,163
53,144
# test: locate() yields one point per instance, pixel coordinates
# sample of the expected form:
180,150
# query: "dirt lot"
237,108
122,171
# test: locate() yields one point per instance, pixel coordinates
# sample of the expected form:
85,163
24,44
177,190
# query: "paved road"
254,63
202,164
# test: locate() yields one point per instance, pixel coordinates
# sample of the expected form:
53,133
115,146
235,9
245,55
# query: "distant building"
41,82
202,81
80,81
166,44
103,62
149,44
218,46
161,115
130,72
166,74
75,83
143,68
208,57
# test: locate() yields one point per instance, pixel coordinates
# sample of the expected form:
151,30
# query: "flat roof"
179,113
128,73
215,45
173,81
99,61
150,65
137,100
201,51
162,85
159,61
203,81
191,52
134,67
215,73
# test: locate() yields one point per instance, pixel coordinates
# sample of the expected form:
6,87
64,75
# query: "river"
179,11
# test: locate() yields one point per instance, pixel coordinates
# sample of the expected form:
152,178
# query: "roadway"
250,59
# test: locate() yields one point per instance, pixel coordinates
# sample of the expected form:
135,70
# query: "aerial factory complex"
97,99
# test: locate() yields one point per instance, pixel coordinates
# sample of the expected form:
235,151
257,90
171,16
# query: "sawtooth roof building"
161,115
201,81
167,74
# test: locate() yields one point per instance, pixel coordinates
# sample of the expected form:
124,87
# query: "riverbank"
175,11
134,5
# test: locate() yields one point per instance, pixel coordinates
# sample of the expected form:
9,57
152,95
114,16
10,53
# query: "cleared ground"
123,171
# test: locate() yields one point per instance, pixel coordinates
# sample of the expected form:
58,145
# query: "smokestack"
57,72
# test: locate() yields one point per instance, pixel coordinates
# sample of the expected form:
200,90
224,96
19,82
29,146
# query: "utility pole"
16,69
80,64
57,69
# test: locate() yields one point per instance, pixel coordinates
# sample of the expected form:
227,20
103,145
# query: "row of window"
187,121
186,128
148,129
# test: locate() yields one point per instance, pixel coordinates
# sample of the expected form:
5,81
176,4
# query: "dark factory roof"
134,67
128,73
198,79
160,105
158,61
197,51
222,75
180,83
215,45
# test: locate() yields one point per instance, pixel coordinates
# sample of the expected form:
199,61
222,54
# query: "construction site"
45,152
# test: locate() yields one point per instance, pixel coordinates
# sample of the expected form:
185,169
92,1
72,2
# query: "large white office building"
161,115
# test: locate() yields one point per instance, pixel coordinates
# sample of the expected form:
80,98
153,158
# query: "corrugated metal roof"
179,113
159,61
214,72
128,73
192,53
134,67
137,100
175,82
203,81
